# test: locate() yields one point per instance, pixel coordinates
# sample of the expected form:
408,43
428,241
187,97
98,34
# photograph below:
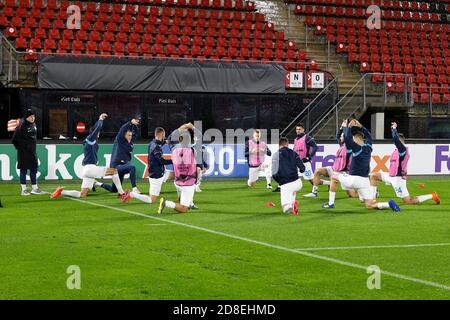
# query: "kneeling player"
255,152
341,164
185,170
285,166
360,142
90,169
398,172
156,169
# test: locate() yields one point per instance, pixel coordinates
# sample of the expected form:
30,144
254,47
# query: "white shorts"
186,194
289,190
90,173
330,171
360,184
253,172
155,186
398,183
308,174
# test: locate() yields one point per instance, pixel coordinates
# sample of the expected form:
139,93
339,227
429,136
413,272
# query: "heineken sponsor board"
64,161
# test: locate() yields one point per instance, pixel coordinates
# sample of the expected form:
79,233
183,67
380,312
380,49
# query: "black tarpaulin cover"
57,72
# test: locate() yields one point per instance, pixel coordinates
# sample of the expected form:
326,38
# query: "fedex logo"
442,156
324,161
380,163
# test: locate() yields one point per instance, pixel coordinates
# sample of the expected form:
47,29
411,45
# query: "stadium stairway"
357,93
15,72
295,29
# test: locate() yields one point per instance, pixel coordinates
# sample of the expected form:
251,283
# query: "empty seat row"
93,6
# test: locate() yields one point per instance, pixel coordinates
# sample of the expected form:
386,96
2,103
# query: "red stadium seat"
91,47
21,43
50,44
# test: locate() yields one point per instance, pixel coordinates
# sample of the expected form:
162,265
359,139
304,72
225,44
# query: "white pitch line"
265,244
377,247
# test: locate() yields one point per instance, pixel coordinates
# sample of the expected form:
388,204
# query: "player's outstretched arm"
134,129
98,127
396,139
348,138
367,136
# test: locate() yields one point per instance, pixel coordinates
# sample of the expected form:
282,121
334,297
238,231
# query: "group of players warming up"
187,173
351,167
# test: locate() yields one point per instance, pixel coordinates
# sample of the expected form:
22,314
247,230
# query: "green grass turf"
122,256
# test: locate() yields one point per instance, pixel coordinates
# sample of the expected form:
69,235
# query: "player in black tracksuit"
24,140
285,166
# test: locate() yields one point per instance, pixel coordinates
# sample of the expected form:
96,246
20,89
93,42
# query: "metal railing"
315,109
9,65
33,55
431,101
352,104
355,102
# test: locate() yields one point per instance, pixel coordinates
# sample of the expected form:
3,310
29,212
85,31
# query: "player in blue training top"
91,170
122,154
156,169
360,142
286,164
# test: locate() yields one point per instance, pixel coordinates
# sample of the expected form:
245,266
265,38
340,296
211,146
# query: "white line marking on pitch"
377,247
265,244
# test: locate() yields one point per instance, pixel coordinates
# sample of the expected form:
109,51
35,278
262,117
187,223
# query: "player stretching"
185,170
398,171
122,154
255,152
90,169
306,148
201,169
285,166
341,164
156,169
358,178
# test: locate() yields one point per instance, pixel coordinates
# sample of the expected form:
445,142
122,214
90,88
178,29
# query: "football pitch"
232,247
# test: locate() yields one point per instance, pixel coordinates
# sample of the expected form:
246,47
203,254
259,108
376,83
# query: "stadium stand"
212,30
413,39
412,44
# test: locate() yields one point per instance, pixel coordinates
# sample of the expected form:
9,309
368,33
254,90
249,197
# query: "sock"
135,189
116,180
269,180
331,197
107,187
170,204
424,197
24,187
71,193
141,197
326,182
97,184
34,186
315,189
374,191
382,205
